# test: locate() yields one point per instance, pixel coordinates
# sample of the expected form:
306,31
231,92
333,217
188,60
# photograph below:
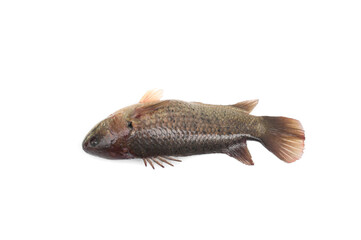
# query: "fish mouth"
97,148
102,143
90,143
86,145
88,148
107,153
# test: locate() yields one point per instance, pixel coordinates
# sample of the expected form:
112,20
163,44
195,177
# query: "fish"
158,131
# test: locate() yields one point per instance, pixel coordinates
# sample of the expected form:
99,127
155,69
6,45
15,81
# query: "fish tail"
284,137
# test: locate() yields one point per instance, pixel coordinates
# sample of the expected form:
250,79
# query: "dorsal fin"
246,106
148,108
152,96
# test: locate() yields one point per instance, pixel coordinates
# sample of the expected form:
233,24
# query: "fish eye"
94,141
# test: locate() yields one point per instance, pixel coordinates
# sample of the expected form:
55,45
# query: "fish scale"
196,129
154,130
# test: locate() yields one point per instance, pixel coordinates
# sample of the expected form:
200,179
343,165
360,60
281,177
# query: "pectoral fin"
159,160
240,152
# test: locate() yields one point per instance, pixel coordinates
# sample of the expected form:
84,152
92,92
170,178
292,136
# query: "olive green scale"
177,128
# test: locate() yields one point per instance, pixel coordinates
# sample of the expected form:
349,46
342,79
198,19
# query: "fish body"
154,130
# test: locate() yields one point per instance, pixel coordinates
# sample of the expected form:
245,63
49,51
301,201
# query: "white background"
65,65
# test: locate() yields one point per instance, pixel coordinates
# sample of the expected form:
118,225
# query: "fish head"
108,138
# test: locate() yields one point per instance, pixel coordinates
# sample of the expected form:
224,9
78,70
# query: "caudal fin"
284,137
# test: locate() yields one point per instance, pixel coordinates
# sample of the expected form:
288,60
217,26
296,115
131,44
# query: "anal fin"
240,152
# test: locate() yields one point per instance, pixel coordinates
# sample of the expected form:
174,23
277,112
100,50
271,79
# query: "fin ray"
165,161
149,108
159,160
240,152
152,96
150,162
172,159
284,137
156,161
247,105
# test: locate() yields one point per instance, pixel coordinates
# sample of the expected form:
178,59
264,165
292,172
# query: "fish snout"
90,144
